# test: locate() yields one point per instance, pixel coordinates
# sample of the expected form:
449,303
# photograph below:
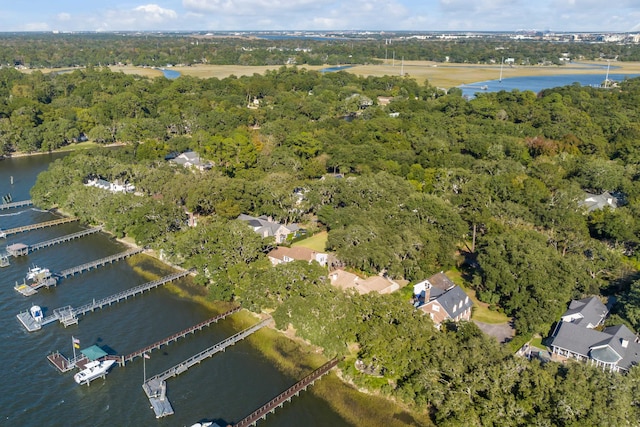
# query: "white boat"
205,424
36,313
36,273
93,370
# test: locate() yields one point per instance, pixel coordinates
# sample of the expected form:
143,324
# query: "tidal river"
226,387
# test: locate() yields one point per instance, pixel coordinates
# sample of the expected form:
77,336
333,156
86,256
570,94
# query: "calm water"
33,393
538,83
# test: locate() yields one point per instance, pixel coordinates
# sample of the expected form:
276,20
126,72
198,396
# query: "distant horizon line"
351,31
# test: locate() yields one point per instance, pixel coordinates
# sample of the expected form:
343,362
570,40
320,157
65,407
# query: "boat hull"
92,371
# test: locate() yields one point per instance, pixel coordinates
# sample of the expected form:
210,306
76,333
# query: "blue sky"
220,15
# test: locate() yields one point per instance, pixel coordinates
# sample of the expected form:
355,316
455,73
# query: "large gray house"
615,348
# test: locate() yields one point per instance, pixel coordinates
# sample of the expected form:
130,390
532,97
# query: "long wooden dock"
38,226
15,204
68,315
156,387
63,239
28,290
278,401
156,345
98,263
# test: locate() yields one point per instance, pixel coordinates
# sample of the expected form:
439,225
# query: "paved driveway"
503,332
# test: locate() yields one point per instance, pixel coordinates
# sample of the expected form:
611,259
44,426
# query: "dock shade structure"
93,353
18,249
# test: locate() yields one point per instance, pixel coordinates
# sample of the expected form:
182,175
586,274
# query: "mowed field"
438,74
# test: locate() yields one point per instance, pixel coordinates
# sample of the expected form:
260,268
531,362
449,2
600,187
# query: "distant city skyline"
321,15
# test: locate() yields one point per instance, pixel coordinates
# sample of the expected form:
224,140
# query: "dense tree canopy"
492,185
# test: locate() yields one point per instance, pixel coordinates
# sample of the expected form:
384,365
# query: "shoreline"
295,357
66,149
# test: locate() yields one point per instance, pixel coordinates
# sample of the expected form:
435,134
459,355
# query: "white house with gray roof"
442,299
615,348
265,227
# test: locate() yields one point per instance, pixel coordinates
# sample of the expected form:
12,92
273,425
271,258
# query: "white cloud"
155,13
63,17
253,7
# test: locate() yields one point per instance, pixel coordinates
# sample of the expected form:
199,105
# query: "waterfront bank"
227,387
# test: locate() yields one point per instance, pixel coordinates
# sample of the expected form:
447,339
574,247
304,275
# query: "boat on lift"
37,273
93,370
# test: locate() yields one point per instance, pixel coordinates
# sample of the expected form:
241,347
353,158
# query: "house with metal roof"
442,299
615,348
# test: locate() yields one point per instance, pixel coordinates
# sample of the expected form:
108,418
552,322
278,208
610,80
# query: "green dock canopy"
93,353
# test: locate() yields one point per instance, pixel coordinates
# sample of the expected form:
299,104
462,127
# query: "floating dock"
129,357
156,387
38,226
15,204
69,316
28,290
286,396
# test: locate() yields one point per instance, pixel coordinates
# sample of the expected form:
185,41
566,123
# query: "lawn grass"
480,311
317,242
537,343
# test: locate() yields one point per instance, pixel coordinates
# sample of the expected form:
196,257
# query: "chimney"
427,292
625,343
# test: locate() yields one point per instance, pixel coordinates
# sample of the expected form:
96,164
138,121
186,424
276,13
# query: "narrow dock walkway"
156,387
69,316
98,263
28,290
286,395
15,204
63,239
129,357
20,249
38,226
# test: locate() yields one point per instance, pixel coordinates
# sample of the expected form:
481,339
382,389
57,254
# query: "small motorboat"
36,313
93,370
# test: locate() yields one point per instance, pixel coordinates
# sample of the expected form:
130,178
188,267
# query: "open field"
438,74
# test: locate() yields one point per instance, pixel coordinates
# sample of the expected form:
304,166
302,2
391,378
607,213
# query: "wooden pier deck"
285,396
98,263
64,364
15,204
69,316
129,357
156,387
38,226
